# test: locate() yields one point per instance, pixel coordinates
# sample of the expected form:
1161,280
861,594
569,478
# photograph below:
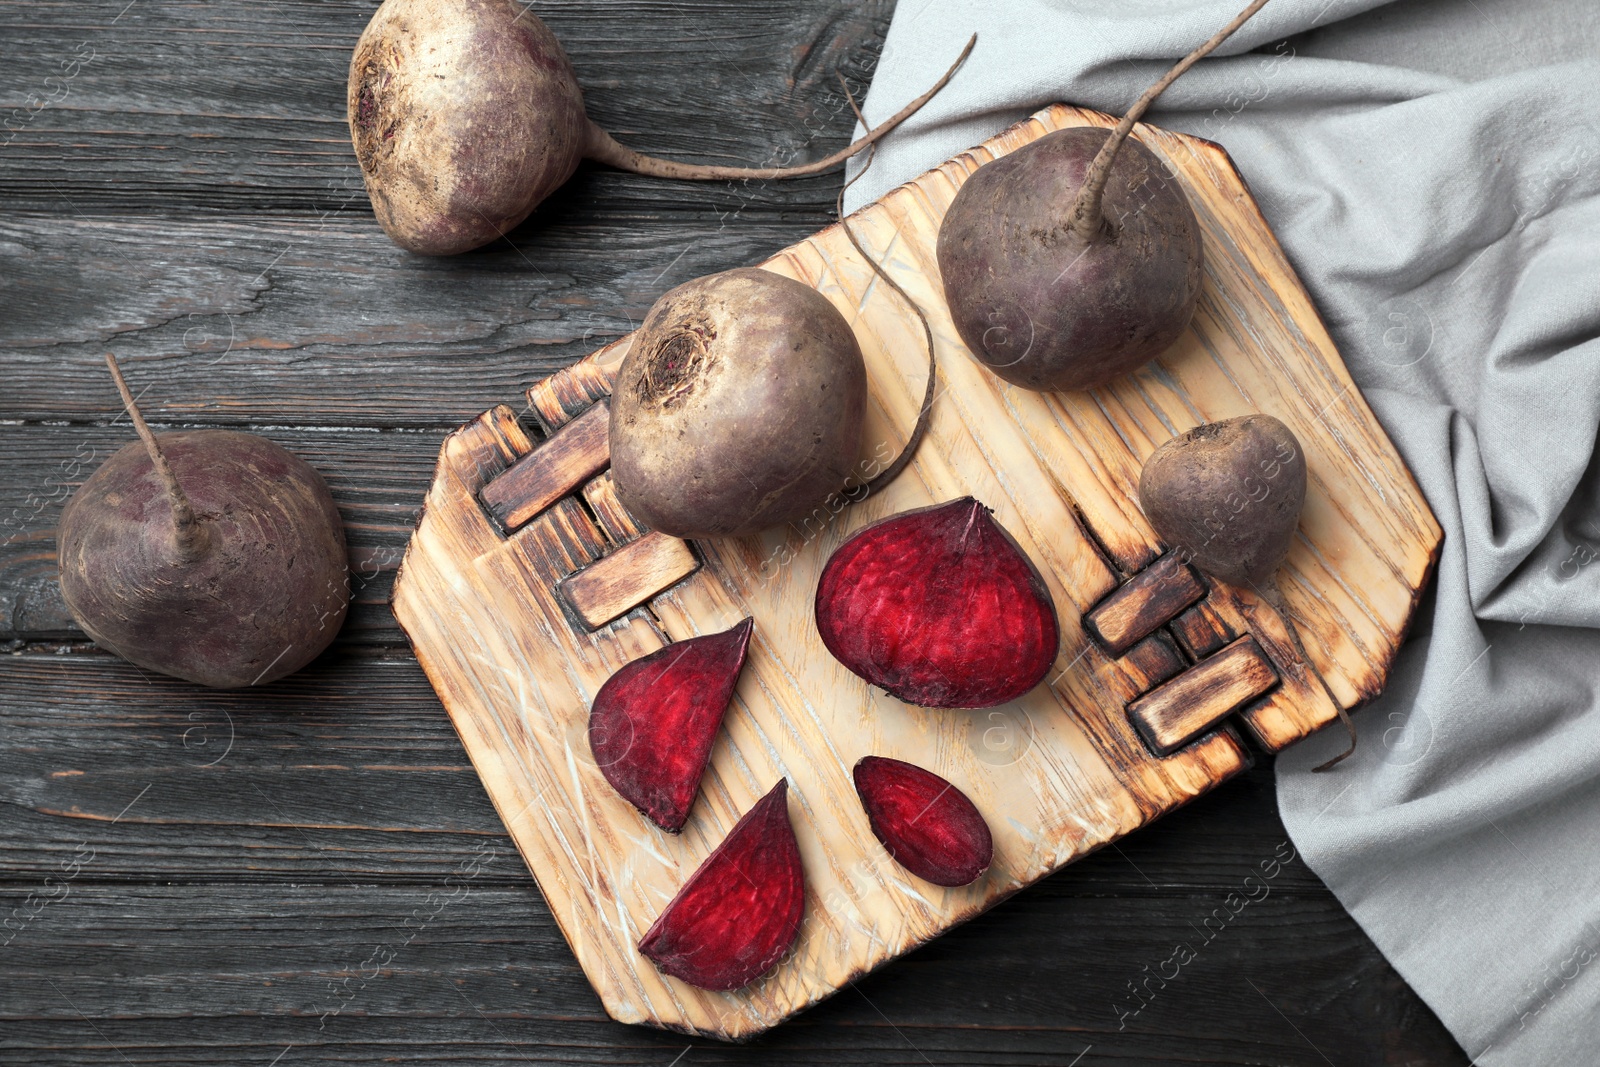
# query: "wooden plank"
573,455
1201,631
120,133
1179,711
1145,602
628,577
601,496
464,972
1155,659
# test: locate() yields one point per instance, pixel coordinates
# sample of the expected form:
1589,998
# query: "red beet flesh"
740,911
928,825
940,608
653,723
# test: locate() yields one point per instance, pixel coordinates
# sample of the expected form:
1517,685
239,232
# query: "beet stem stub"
1086,218
655,721
188,535
930,827
940,608
740,911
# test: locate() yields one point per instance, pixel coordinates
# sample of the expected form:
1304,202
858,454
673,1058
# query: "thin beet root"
208,555
940,608
1228,496
1077,258
930,827
739,406
655,721
466,114
740,911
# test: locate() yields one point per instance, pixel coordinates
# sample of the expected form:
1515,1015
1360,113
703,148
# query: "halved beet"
740,911
929,826
653,723
940,608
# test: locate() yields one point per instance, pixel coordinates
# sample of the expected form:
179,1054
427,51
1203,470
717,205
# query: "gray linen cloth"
1433,169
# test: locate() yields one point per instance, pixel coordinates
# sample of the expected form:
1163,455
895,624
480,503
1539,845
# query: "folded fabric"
1432,168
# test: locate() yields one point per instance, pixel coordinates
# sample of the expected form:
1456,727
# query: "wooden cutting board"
526,585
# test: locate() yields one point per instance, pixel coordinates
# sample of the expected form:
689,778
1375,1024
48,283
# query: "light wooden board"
1058,773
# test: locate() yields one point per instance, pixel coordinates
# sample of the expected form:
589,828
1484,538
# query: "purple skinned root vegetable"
1077,258
940,608
930,827
466,114
208,555
655,721
740,911
739,406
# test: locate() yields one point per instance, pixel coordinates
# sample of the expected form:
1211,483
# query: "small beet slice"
940,608
740,910
929,826
653,723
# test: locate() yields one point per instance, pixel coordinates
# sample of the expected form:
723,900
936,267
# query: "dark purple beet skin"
1038,306
930,827
940,608
268,593
655,721
741,909
465,114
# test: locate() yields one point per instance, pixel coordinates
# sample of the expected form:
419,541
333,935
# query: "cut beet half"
928,825
740,911
940,608
653,723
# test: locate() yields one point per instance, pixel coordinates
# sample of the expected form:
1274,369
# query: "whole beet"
1228,496
1044,308
738,406
238,576
1076,258
466,114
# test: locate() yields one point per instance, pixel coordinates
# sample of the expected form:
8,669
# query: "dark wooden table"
311,872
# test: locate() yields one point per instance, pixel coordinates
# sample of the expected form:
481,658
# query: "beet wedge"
929,826
653,723
940,608
740,911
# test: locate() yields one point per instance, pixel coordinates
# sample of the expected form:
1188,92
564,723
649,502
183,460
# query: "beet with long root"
930,827
1228,496
209,555
740,911
939,607
654,721
466,114
738,406
1076,258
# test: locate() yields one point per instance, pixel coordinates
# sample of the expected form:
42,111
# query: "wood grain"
517,676
613,586
1149,600
566,461
1175,713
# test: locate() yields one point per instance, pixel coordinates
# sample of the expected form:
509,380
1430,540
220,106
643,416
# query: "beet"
930,827
739,406
1076,258
1228,496
208,555
940,608
466,114
654,721
740,911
